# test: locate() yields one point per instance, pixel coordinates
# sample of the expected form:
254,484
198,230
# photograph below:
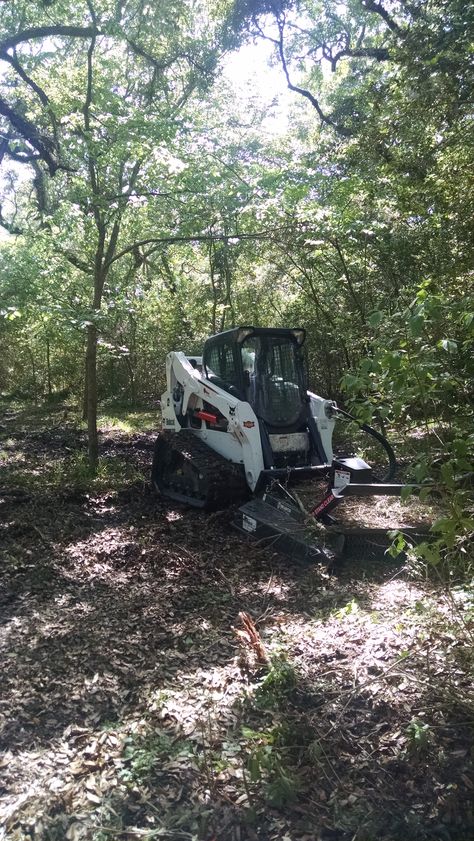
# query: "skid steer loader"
239,425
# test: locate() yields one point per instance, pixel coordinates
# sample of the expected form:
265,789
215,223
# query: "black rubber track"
187,470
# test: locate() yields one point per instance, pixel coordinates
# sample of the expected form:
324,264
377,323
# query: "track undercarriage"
187,470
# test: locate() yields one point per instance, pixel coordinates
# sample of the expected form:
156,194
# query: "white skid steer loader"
240,422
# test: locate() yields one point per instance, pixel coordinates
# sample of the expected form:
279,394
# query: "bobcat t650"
240,424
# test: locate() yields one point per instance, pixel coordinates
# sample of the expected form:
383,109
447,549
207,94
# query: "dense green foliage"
145,209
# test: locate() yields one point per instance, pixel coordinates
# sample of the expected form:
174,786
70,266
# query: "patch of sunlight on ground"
7,457
379,630
95,554
124,420
396,594
186,718
274,587
203,702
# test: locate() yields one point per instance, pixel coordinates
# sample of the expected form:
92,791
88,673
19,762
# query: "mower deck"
280,526
278,521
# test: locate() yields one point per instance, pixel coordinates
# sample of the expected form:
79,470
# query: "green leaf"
367,366
415,325
449,345
253,765
447,473
375,318
443,525
424,494
406,492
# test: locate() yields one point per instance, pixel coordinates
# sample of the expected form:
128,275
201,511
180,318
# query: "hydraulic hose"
392,462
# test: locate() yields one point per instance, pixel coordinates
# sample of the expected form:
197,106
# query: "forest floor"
130,709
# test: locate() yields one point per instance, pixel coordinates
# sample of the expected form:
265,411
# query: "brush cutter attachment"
279,520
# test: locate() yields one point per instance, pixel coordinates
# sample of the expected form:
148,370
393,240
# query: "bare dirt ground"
130,709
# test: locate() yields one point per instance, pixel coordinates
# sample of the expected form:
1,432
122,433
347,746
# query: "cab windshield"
274,380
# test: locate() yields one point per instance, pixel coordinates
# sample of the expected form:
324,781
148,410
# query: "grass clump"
111,474
276,684
141,755
128,421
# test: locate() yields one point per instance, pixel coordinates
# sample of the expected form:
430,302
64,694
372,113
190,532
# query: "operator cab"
263,366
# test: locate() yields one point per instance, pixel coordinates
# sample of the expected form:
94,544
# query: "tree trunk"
33,371
48,369
131,358
214,291
131,379
228,289
84,396
91,379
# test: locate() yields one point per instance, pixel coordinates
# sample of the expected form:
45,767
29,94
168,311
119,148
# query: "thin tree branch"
9,226
315,297
88,99
77,262
378,53
342,130
86,114
157,242
160,66
155,62
360,37
151,193
13,62
25,158
43,144
15,154
4,148
56,30
347,275
378,9
112,244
